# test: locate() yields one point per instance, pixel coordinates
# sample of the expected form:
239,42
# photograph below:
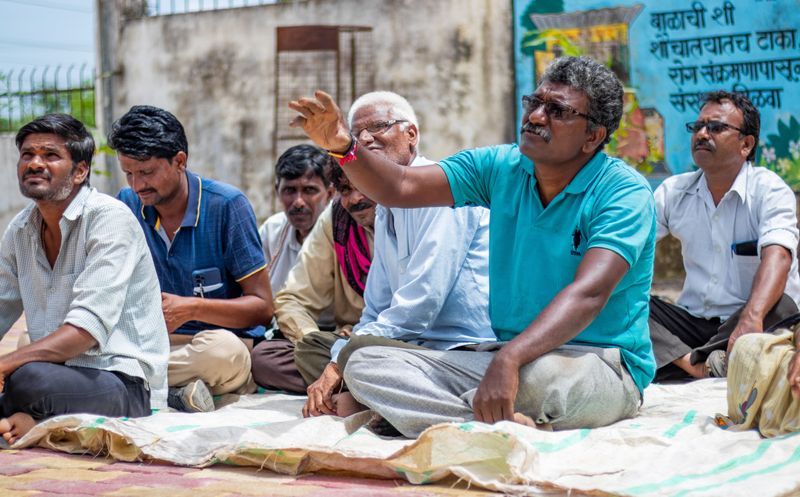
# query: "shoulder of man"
219,191
19,220
681,182
129,198
618,172
98,203
765,180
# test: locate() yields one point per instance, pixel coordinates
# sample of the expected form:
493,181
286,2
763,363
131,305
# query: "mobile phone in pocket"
206,281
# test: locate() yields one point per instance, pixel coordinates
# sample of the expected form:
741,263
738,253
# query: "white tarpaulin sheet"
673,448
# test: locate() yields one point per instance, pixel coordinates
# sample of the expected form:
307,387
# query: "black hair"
298,160
598,83
336,176
145,132
751,124
78,140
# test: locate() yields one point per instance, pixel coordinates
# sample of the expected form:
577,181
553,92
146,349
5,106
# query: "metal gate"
335,59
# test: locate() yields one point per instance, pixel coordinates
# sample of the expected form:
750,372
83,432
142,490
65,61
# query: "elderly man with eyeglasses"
571,262
738,231
428,285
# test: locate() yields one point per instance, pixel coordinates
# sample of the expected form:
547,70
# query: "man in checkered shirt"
76,262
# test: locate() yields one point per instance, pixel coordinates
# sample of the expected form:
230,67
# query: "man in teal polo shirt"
571,250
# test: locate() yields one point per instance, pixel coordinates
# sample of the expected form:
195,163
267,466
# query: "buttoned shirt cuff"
337,347
784,238
87,320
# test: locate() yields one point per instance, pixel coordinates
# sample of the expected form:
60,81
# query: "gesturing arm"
378,178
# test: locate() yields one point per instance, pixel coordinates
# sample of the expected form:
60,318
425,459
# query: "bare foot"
16,426
696,370
528,421
524,420
347,405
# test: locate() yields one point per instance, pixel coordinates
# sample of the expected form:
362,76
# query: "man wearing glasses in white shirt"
738,231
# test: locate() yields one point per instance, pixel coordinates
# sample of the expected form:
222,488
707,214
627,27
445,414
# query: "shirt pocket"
744,271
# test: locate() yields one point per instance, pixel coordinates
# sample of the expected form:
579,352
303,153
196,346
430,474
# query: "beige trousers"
218,357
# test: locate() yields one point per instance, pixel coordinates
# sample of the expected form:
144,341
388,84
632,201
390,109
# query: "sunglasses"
713,127
553,109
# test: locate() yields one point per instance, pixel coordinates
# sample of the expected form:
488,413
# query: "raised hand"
321,119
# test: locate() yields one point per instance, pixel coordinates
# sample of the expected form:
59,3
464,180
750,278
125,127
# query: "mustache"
44,173
361,206
703,143
293,211
538,130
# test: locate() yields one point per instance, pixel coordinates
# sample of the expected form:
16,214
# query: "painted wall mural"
668,54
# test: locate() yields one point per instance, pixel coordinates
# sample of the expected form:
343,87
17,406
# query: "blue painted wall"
679,49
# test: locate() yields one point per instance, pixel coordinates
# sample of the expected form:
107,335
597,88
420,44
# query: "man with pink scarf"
330,273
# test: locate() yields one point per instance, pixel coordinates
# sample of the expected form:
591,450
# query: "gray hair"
601,86
399,105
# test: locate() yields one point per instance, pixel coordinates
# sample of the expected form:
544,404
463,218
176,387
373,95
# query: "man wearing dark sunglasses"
737,227
571,254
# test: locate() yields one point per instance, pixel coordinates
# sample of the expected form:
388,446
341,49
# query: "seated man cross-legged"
428,287
76,263
571,262
738,231
202,234
330,273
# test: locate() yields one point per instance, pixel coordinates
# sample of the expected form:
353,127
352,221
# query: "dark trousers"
272,363
44,389
283,365
675,333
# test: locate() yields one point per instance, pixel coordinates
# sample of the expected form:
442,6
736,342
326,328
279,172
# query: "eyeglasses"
553,109
378,128
713,127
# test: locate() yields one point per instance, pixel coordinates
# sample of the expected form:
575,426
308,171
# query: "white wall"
214,70
11,200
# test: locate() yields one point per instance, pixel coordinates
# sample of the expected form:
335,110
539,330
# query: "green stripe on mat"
561,444
727,466
732,464
795,457
687,421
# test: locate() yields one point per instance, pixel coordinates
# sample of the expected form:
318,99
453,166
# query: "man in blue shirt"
428,285
205,245
571,255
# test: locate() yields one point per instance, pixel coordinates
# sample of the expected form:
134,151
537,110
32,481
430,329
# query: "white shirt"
281,248
429,280
282,251
759,206
103,281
